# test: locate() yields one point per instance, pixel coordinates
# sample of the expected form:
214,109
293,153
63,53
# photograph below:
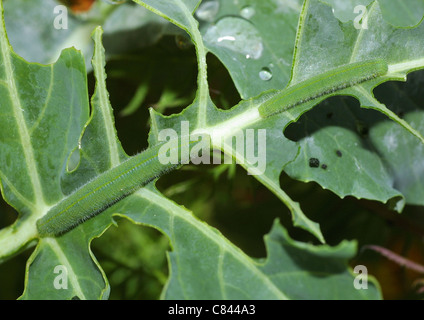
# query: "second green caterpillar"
328,82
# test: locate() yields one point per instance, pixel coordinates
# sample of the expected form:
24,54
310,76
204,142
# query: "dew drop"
226,38
208,10
265,74
247,12
236,34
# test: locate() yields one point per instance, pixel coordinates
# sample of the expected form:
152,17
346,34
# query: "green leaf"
317,267
255,41
400,151
348,10
319,137
206,266
371,179
337,127
31,94
64,268
404,14
401,13
39,140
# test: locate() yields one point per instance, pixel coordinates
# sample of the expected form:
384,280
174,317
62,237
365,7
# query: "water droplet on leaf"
265,74
247,12
236,34
208,10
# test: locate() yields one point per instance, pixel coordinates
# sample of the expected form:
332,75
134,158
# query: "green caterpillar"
326,83
103,191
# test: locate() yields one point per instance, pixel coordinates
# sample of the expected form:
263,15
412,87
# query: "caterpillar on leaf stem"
103,191
326,83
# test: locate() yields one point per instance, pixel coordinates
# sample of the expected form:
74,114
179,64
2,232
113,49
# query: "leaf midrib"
72,276
223,244
106,110
19,118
